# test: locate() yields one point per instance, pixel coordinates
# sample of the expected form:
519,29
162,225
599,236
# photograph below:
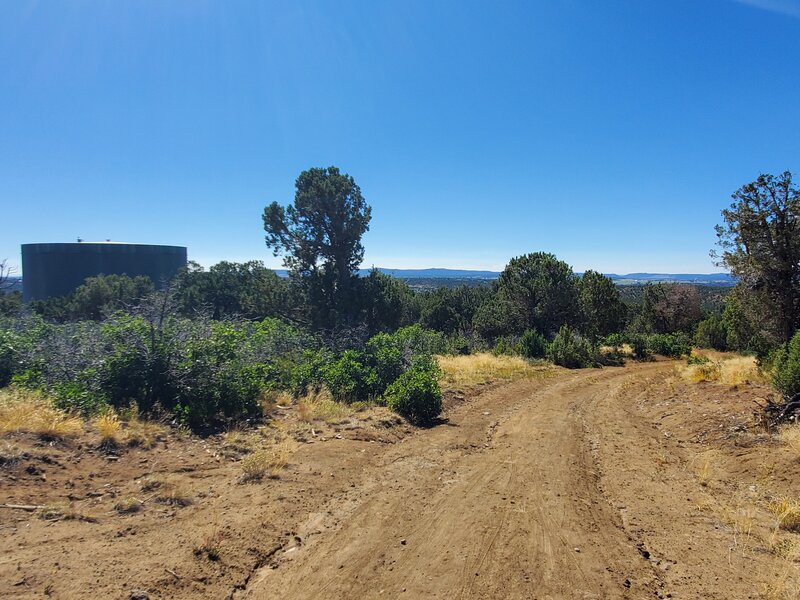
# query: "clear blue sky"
610,133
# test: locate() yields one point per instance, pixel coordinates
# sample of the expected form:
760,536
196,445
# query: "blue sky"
611,133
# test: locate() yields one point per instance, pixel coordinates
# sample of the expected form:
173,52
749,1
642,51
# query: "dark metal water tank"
50,270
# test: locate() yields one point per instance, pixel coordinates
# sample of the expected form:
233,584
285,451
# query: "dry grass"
129,505
790,435
108,425
174,496
705,470
474,369
26,411
320,406
144,433
727,369
787,512
270,460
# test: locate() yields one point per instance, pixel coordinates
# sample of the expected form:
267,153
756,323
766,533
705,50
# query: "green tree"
106,293
229,289
760,244
602,310
320,237
542,291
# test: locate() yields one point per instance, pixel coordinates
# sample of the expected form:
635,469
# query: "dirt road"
597,483
552,489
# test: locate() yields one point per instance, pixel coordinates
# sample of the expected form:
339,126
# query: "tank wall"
50,270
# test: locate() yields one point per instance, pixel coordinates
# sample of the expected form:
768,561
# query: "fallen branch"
26,507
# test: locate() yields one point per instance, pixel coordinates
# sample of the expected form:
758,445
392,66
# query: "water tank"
50,270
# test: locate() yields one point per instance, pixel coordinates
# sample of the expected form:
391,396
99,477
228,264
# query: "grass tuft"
787,511
321,406
27,411
267,460
108,425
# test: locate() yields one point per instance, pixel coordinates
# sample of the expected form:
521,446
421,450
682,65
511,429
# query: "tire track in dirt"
445,516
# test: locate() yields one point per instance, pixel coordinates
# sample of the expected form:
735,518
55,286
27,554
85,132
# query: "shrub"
504,346
674,345
570,350
711,333
641,350
387,361
532,344
348,378
416,395
786,368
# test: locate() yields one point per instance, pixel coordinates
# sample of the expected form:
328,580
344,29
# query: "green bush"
712,333
416,395
786,368
532,344
505,346
641,350
348,378
386,360
570,350
674,345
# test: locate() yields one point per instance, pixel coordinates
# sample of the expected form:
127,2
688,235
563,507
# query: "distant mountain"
720,279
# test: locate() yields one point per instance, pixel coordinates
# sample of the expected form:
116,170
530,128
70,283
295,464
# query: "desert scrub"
416,395
28,411
790,435
569,349
726,369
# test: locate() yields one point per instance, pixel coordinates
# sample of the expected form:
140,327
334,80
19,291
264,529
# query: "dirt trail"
578,486
502,502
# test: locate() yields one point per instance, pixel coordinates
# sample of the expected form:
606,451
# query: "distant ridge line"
723,279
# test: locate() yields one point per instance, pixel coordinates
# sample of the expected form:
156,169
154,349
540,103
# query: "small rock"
139,595
403,542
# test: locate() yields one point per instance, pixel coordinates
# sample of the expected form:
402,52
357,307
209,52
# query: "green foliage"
674,345
320,237
602,311
641,349
542,292
786,368
10,303
711,333
570,350
532,344
8,344
505,346
760,243
348,378
386,302
227,290
416,394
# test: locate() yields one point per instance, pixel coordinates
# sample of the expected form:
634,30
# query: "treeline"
212,346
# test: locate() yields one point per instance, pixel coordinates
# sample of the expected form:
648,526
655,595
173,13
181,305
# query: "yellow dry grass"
790,435
270,460
787,511
321,406
108,426
26,411
727,369
474,369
